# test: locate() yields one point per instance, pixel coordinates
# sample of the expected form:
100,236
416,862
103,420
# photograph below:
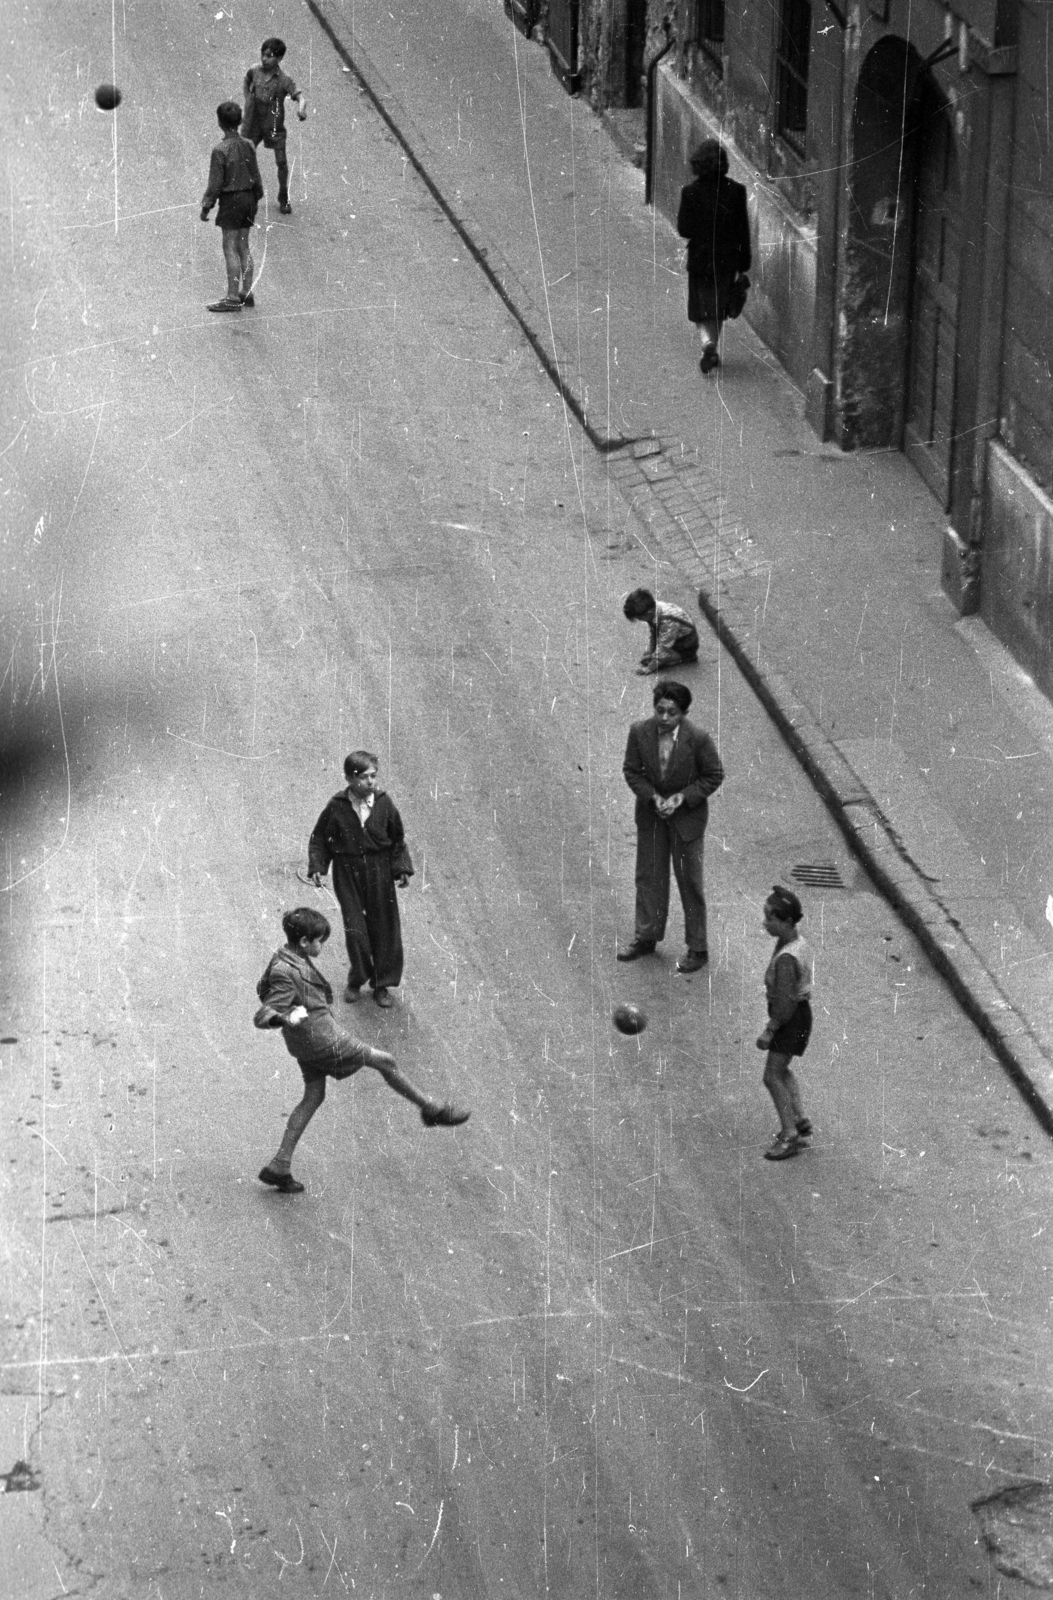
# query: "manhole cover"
818,875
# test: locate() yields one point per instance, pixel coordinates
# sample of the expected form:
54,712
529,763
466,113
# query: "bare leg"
283,178
313,1095
783,1088
401,1084
245,260
232,260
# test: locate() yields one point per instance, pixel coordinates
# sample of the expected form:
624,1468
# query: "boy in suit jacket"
672,767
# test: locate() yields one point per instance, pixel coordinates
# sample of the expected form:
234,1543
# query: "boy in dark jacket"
360,832
295,997
234,180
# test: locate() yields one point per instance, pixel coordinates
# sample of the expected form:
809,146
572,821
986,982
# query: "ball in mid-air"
107,97
628,1018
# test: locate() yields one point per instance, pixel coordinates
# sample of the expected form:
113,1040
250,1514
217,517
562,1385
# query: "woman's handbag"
735,303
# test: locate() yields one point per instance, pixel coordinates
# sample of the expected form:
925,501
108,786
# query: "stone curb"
501,275
869,833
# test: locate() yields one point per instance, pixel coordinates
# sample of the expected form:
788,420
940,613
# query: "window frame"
709,44
793,48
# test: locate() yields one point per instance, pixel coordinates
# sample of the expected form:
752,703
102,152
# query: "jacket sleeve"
401,863
279,993
319,854
634,769
685,217
745,249
217,172
254,168
709,774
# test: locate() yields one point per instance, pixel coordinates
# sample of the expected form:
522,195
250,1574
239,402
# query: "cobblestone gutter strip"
505,282
712,554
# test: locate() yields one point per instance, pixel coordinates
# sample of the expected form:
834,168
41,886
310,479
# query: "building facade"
899,160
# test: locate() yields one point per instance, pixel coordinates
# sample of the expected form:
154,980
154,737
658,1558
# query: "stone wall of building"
1026,420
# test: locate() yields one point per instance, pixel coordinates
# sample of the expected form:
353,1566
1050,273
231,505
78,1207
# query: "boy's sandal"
783,1146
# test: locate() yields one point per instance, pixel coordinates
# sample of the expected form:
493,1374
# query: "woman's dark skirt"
707,296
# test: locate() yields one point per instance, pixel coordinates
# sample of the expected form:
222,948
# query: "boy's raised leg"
432,1113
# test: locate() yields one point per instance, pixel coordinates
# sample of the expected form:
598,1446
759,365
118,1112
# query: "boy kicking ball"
297,998
234,180
788,982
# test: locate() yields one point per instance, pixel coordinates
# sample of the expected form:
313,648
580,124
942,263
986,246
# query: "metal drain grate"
818,875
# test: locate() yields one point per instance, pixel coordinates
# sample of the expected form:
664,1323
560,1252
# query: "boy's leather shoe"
383,997
447,1116
226,304
693,961
282,1181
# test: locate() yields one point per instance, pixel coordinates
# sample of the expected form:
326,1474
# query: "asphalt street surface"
591,1343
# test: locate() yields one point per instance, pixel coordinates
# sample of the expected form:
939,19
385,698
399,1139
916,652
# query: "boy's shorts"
237,209
273,141
335,1065
792,1038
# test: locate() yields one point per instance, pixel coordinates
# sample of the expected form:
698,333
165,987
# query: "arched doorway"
898,298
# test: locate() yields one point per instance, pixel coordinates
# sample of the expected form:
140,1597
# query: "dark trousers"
657,845
372,928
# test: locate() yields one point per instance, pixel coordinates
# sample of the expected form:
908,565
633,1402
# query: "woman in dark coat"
714,221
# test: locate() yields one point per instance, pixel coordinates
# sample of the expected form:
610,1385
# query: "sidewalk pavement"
818,570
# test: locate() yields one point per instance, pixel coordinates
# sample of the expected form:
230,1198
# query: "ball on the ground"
628,1018
107,97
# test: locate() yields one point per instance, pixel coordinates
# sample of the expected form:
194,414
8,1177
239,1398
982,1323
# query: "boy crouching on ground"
297,998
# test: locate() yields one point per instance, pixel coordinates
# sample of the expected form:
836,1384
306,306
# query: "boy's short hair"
678,693
785,904
275,47
638,604
228,113
359,761
304,922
